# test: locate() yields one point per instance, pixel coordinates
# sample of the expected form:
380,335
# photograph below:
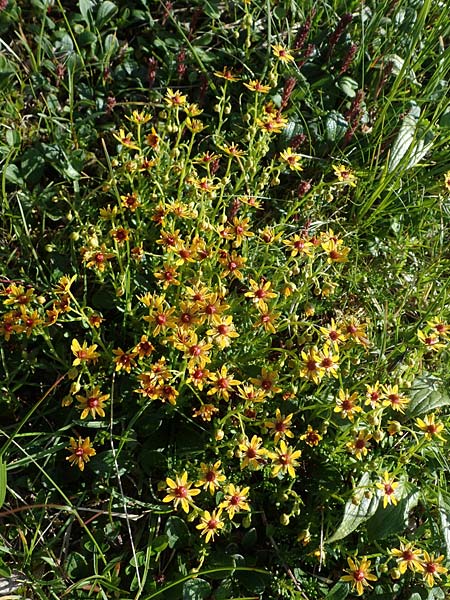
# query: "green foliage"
224,307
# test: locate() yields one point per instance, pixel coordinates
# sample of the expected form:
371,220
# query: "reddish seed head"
222,329
358,575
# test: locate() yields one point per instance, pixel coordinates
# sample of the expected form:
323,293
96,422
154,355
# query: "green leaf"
160,543
348,85
335,126
426,395
444,121
393,519
177,532
255,583
444,513
211,8
412,141
12,174
355,514
338,591
85,9
105,12
3,481
196,589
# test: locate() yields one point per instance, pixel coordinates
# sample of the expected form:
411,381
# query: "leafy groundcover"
224,300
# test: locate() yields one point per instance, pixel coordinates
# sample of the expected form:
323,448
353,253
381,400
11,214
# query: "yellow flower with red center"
197,352
81,451
266,318
431,341
359,574
210,524
336,252
17,296
347,404
388,485
430,427
211,477
227,73
223,331
271,124
83,354
284,459
408,557
254,85
311,437
139,118
143,348
252,453
280,426
223,383
124,360
130,202
394,398
432,568
292,159
311,368
235,500
298,245
440,327
205,412
92,403
260,292
283,54
232,150
267,381
333,334
355,331
179,492
374,395
250,394
126,139
345,175
329,360
175,99
167,275
360,445
96,259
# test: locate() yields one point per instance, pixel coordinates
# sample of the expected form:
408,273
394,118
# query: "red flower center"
430,567
92,402
251,453
181,491
222,383
234,500
222,329
359,575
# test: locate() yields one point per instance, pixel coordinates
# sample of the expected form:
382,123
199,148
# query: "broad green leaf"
3,478
196,589
160,543
339,591
355,514
444,121
85,8
412,141
348,85
444,513
335,126
393,519
255,583
106,11
177,532
426,395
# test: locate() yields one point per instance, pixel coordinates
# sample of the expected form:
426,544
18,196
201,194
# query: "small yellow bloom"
282,54
210,524
84,353
345,175
388,487
175,99
311,437
347,405
227,73
256,86
292,159
359,574
431,341
280,426
179,491
253,454
430,427
408,557
211,477
126,139
284,459
92,403
432,568
236,499
81,452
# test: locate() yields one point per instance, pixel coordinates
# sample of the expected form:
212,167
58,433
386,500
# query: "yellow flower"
311,368
227,73
284,459
432,569
139,118
440,327
256,86
430,427
126,139
394,398
280,426
236,499
92,403
374,395
336,251
81,452
329,361
282,54
180,492
272,124
83,353
253,454
311,437
223,331
447,180
360,445
210,524
292,159
388,487
359,574
266,381
223,383
347,405
175,99
124,360
432,342
260,292
298,244
232,150
408,557
345,174
211,477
